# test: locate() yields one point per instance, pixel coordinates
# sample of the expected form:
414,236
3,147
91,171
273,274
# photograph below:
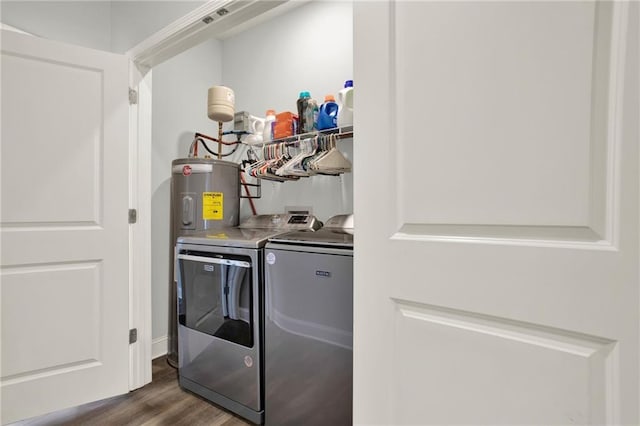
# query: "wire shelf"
339,132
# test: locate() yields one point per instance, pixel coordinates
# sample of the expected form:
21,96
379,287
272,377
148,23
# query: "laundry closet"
496,279
267,53
267,66
309,48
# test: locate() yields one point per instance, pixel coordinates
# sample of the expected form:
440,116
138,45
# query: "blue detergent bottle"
328,114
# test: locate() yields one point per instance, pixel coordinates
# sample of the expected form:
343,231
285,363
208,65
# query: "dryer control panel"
283,221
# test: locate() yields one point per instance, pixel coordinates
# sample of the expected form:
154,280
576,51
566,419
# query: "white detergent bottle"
267,133
345,102
256,128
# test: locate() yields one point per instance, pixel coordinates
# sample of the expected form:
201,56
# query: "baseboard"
159,347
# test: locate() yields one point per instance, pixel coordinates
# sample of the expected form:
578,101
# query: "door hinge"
133,335
133,215
133,97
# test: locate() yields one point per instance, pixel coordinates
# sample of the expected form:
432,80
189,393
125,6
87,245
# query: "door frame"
140,297
179,36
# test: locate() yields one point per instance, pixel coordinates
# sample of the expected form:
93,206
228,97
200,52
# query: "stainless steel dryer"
309,326
220,311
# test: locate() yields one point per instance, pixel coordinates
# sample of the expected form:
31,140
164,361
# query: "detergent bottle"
328,114
267,133
306,107
345,104
256,128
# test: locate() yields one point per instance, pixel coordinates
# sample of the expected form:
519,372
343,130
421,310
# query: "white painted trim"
169,41
191,30
14,29
140,235
532,334
159,347
637,23
617,67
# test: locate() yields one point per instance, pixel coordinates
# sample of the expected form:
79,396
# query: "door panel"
62,196
502,362
502,262
541,103
496,87
65,290
23,286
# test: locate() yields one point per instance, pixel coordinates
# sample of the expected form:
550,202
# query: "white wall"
309,48
85,24
267,66
134,21
114,26
179,109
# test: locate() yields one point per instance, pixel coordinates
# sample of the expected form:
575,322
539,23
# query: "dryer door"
214,295
218,334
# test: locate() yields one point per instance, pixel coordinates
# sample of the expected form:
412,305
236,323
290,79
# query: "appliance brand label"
325,274
208,268
248,361
186,170
271,258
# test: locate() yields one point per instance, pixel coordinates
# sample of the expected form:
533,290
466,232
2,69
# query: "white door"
65,292
496,203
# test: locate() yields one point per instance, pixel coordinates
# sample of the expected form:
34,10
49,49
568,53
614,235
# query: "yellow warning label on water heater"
212,205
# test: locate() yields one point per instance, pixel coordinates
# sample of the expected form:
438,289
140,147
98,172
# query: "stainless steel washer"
309,326
220,311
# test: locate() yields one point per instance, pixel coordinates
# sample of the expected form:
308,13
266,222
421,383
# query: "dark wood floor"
161,402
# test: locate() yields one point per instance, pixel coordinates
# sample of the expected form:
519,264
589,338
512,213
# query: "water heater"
205,194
